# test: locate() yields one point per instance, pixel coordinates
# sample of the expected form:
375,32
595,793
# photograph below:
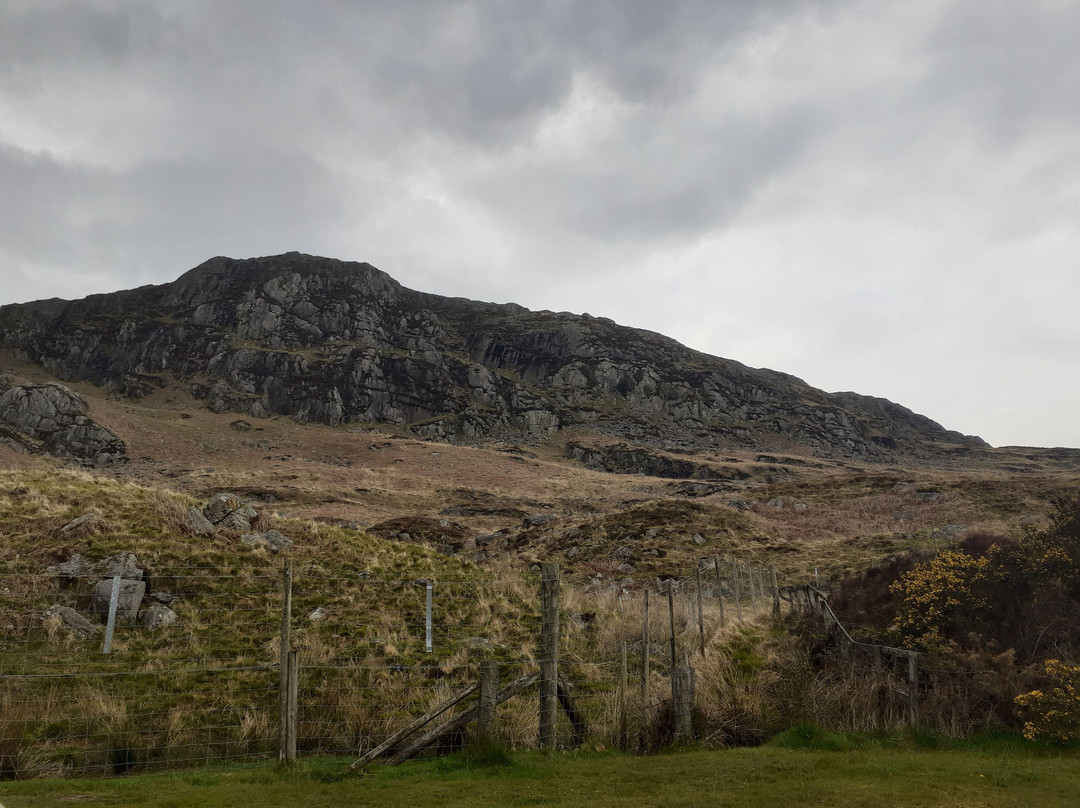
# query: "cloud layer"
873,196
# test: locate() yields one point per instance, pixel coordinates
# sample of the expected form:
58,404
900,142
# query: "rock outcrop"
52,419
73,569
332,342
227,512
622,459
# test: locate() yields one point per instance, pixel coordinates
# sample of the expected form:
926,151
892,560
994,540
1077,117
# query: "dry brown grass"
16,718
309,480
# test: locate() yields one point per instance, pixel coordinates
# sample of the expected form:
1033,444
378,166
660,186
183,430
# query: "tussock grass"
365,668
206,686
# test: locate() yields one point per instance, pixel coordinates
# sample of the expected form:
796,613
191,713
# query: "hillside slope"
333,342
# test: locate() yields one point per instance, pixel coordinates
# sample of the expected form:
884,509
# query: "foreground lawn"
766,776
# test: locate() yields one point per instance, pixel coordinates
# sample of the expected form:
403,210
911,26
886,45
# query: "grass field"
861,774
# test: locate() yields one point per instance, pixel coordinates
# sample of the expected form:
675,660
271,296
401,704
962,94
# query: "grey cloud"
760,167
77,35
1008,66
150,223
654,184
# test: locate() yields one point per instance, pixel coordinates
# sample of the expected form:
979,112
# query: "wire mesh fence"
86,691
375,654
204,684
197,689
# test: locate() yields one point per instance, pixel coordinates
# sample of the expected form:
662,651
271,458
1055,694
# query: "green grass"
365,662
871,776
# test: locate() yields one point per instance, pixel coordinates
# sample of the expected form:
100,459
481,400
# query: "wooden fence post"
719,590
292,707
775,592
549,654
645,647
683,702
735,583
671,618
913,690
489,689
700,618
283,661
624,734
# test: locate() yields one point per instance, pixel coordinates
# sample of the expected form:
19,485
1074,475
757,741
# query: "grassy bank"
861,774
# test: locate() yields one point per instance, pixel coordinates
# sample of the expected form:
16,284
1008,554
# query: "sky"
871,195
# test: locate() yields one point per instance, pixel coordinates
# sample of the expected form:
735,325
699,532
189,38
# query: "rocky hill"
334,342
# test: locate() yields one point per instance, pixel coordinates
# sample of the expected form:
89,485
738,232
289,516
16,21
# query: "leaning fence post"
485,715
549,654
110,625
283,660
775,592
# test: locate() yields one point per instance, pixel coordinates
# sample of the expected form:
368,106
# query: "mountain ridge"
335,342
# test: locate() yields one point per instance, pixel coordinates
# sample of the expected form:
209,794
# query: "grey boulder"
157,615
127,604
271,539
71,620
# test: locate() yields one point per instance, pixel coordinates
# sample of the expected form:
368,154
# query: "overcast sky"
875,196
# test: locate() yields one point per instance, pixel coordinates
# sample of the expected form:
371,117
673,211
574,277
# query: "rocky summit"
333,342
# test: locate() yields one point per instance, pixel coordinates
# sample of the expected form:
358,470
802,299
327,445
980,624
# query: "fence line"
338,663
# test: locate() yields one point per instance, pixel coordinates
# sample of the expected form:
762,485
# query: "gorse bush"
995,617
1053,714
938,594
1022,594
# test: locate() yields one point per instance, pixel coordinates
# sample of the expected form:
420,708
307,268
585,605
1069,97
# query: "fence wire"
374,655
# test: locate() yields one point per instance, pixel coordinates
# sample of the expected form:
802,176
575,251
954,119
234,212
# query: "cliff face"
51,419
333,342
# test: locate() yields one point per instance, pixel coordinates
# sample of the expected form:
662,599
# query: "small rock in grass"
271,539
157,615
75,623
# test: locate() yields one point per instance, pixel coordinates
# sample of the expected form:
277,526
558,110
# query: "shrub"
1053,714
935,596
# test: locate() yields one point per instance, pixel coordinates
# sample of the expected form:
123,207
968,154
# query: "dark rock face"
332,342
622,459
52,418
